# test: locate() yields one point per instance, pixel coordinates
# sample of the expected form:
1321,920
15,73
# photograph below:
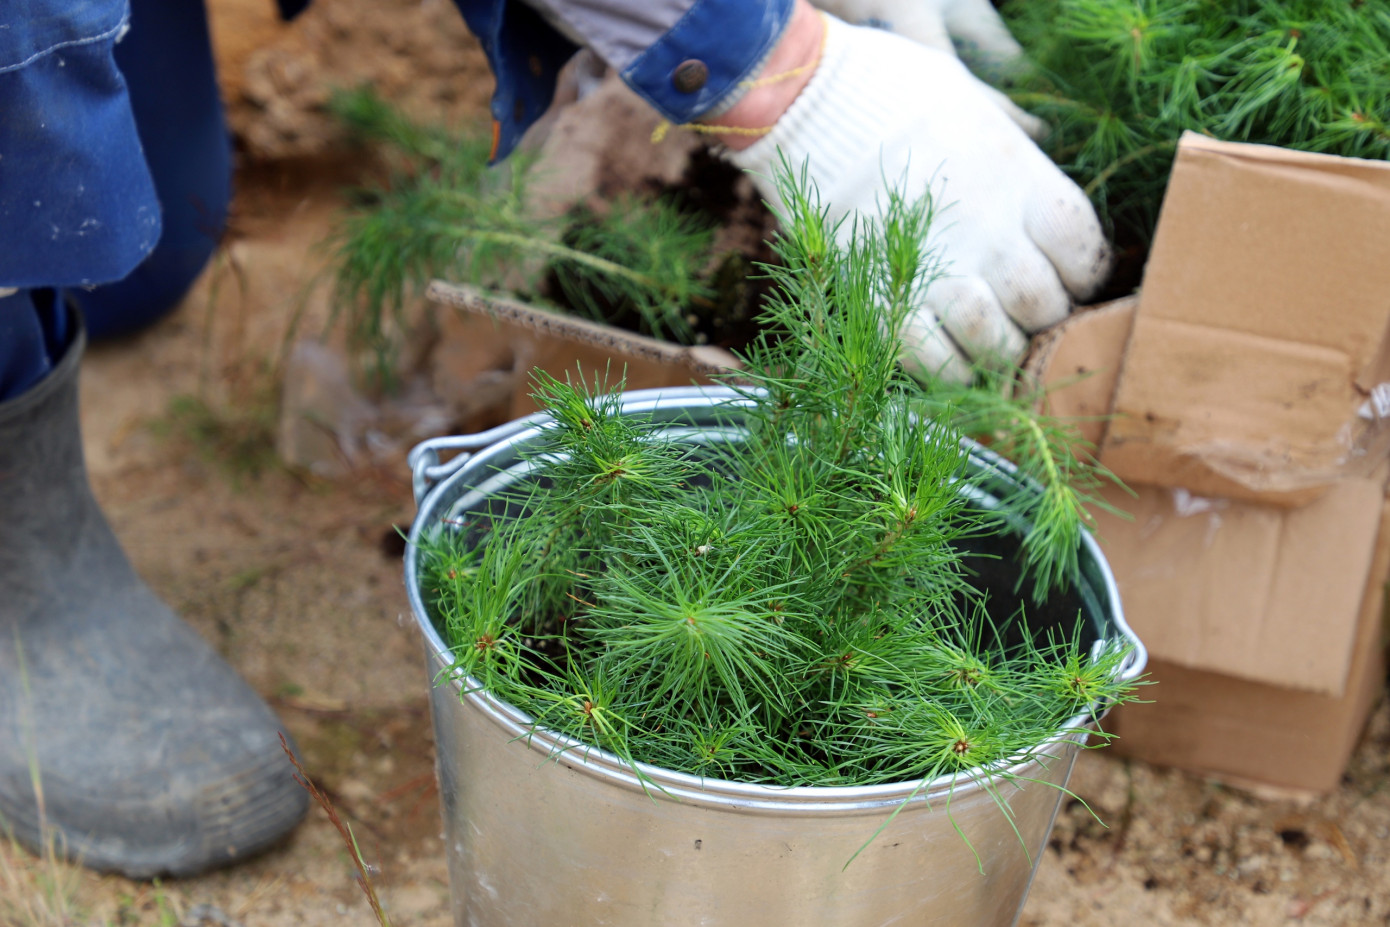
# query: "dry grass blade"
364,878
37,891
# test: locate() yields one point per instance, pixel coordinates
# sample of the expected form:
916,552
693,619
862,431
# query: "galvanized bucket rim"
431,481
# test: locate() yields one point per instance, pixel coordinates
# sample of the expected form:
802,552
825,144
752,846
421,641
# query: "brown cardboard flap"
703,360
1078,364
1286,244
1229,411
1262,325
489,347
1256,592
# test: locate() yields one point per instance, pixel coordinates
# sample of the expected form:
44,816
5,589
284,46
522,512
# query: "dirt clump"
277,77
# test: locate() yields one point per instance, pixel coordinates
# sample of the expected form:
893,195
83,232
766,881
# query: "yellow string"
664,126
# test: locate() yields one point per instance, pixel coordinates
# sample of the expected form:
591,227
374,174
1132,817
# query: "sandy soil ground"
297,580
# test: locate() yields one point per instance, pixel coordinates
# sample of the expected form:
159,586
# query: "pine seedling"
999,409
686,625
1120,80
656,257
443,213
478,588
796,604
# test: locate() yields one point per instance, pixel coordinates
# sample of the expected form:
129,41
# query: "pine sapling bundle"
807,600
1120,80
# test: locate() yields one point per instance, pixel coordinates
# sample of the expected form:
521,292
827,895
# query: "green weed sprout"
803,605
1120,80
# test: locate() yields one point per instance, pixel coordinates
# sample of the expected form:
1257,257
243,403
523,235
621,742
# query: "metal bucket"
541,830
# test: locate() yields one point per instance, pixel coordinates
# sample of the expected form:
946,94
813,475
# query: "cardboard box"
489,346
1263,622
1248,385
1258,364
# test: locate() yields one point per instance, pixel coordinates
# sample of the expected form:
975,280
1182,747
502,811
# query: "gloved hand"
971,27
1019,239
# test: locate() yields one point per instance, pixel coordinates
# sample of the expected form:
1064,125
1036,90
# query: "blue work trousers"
115,169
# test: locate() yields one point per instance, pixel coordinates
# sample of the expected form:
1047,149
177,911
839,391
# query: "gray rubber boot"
154,757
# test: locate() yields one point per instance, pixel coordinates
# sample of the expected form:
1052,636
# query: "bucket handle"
426,470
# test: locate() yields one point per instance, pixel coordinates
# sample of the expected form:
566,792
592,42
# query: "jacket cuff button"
689,76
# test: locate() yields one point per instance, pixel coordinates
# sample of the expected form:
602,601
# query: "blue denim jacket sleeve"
525,54
682,56
723,41
77,203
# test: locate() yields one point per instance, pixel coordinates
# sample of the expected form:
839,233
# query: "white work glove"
1018,239
970,28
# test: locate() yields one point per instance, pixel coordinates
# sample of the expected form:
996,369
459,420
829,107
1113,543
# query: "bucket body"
542,830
